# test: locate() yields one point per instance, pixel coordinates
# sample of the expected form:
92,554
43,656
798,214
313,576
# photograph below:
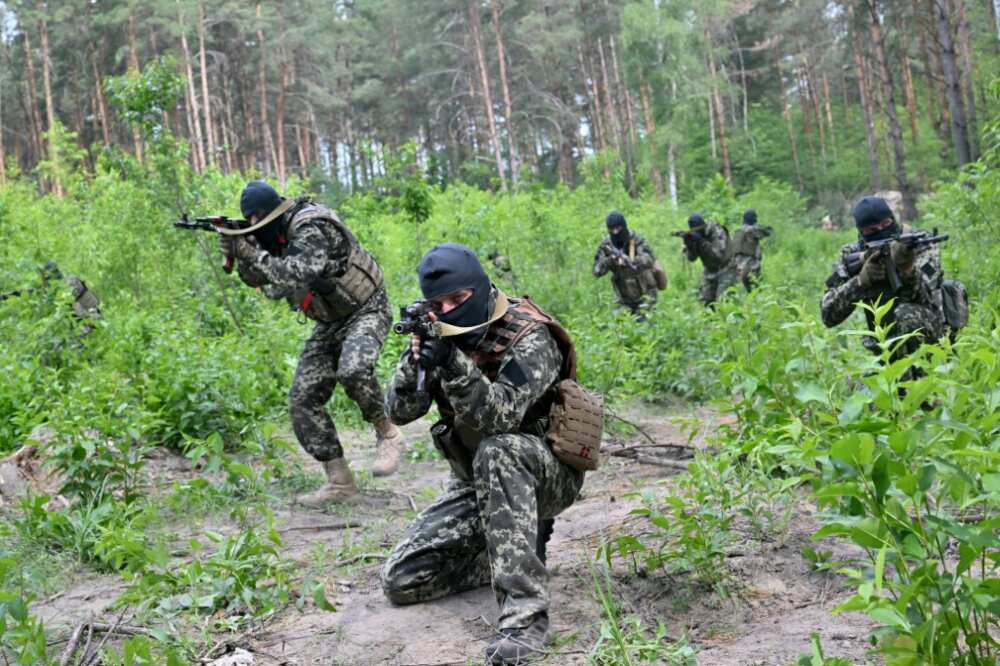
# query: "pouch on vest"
576,422
660,275
447,442
956,304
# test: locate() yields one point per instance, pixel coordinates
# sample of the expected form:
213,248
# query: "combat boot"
339,486
519,645
388,445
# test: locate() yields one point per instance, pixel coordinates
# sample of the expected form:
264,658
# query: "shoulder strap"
522,316
631,248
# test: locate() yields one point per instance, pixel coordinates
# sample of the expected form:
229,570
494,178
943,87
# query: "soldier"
493,384
918,306
86,306
709,241
746,248
631,263
302,252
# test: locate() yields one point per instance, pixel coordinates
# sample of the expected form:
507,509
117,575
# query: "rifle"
213,223
414,319
855,260
622,258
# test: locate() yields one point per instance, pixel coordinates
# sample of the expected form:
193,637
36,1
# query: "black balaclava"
696,223
50,271
445,269
874,219
260,198
616,220
750,216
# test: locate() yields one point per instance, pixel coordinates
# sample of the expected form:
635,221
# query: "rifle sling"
444,330
277,212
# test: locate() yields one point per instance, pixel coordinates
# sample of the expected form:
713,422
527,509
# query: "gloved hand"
227,244
435,352
872,272
902,254
242,247
692,241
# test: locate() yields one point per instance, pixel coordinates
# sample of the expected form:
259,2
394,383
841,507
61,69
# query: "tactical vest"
569,417
630,286
330,298
744,244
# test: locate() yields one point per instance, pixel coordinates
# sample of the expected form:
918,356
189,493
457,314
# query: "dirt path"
779,601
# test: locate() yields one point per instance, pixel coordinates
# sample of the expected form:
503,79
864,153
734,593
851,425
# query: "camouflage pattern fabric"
629,289
344,351
746,252
918,304
485,527
85,303
719,271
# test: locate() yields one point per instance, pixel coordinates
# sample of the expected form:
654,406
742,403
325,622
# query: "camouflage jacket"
746,240
318,250
630,284
712,248
922,286
486,399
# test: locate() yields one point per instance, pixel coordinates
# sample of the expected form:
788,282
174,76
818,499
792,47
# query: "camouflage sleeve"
691,251
713,246
601,261
402,400
308,257
251,276
529,369
762,232
643,255
842,293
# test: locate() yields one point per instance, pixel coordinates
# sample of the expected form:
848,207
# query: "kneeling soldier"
302,252
493,367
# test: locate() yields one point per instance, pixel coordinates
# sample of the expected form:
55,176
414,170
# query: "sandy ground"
777,602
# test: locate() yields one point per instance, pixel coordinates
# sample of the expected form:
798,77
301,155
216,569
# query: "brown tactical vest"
335,297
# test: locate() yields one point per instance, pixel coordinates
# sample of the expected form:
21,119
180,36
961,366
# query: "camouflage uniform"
719,272
634,288
345,350
746,252
918,303
505,478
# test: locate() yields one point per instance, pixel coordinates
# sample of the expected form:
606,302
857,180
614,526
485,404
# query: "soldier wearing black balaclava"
709,241
301,251
918,306
491,374
746,248
630,261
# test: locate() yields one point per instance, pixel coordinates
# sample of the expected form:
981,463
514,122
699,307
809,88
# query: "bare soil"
776,602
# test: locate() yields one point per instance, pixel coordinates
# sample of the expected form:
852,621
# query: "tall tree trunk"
911,98
508,106
133,66
720,120
814,98
279,120
472,11
956,105
647,115
671,161
596,126
270,154
228,127
3,149
36,122
50,109
100,103
829,115
968,78
620,84
871,141
206,101
895,131
935,69
609,106
194,120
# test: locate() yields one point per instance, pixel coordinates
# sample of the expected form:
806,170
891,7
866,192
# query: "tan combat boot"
388,445
339,486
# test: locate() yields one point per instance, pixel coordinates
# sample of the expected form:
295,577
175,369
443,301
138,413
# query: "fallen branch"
357,558
654,460
344,525
638,427
90,662
65,659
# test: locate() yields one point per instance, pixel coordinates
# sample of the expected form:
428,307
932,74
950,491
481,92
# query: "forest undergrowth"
908,470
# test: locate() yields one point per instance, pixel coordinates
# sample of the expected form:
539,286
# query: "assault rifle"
414,319
855,260
622,258
213,223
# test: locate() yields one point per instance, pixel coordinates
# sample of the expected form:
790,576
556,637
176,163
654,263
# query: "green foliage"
21,634
144,98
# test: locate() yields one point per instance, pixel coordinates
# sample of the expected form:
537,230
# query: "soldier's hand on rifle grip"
872,272
902,255
227,244
435,352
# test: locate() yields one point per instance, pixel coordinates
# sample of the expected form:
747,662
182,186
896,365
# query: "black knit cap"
696,220
260,198
871,210
750,216
614,219
447,268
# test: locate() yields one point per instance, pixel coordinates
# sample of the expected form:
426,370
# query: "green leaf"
319,598
811,393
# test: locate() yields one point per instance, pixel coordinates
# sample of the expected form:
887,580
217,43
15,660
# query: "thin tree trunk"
871,141
99,102
956,105
814,98
508,106
609,105
968,78
829,115
935,71
787,115
206,102
194,120
647,115
745,90
623,88
671,161
711,127
720,120
50,111
596,126
228,127
36,122
472,11
3,150
133,66
270,154
895,131
911,99
279,121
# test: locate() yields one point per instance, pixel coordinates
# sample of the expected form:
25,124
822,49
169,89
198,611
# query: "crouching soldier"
495,367
300,251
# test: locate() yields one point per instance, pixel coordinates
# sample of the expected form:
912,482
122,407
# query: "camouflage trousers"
747,269
715,283
345,352
486,531
924,320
